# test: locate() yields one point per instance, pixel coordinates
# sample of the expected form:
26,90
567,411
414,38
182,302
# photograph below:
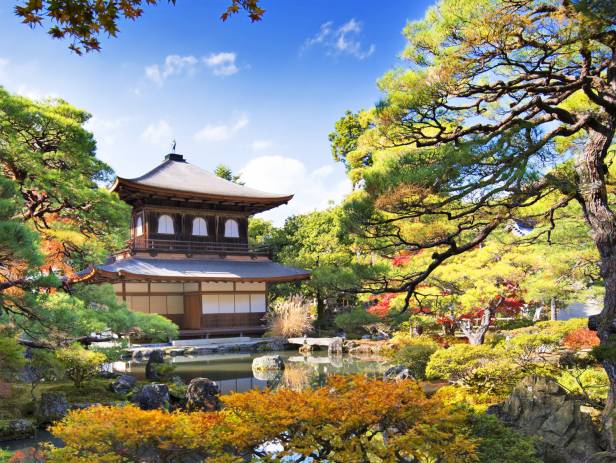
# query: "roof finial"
173,146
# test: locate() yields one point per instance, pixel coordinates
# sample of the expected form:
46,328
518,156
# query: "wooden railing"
197,247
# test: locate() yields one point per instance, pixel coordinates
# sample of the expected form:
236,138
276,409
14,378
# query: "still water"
233,372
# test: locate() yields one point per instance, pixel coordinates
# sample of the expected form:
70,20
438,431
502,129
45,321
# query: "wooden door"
192,312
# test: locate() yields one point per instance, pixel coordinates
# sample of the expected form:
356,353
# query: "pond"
233,372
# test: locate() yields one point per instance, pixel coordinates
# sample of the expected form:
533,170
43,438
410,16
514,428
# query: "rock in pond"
16,429
52,406
397,373
156,358
124,384
152,396
336,346
268,362
202,394
540,407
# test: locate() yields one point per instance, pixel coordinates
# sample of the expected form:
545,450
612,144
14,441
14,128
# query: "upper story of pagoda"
180,208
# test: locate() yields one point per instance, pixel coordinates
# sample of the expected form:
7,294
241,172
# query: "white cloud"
222,132
35,93
106,131
221,64
173,65
158,134
260,145
341,40
314,190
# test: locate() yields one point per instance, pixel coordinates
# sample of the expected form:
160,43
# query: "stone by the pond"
602,457
16,429
268,362
51,407
397,373
335,347
124,384
202,394
156,358
541,408
152,396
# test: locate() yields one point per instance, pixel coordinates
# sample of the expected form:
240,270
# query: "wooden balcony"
197,247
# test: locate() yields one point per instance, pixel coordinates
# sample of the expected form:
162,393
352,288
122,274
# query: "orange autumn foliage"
582,338
352,419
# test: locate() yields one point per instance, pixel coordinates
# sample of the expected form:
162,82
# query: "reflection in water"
233,372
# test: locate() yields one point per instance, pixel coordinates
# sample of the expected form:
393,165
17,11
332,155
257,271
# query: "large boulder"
336,346
202,394
124,384
268,362
16,429
602,457
397,373
156,358
540,407
152,396
52,406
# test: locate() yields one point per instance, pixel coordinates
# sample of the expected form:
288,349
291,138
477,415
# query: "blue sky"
259,97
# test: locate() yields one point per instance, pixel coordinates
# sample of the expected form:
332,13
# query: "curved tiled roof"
175,174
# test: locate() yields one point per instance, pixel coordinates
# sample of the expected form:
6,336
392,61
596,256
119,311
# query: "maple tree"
349,419
84,21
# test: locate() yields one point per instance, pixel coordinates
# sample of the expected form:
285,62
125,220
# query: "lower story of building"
201,309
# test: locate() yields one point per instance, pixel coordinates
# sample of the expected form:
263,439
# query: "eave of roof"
194,270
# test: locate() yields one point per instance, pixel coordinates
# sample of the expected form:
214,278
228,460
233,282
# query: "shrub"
556,328
289,317
453,395
353,322
414,354
79,364
339,422
113,353
480,368
500,443
582,338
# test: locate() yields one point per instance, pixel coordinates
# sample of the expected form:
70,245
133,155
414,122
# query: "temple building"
189,258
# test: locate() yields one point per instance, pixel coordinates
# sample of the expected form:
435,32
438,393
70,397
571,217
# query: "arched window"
231,229
165,224
199,227
138,226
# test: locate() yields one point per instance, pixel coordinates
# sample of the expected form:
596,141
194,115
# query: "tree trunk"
592,195
537,314
553,312
477,335
320,310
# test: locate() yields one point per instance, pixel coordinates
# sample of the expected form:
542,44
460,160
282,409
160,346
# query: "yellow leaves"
352,419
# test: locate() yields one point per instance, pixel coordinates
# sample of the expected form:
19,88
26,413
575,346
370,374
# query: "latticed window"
199,227
231,229
165,224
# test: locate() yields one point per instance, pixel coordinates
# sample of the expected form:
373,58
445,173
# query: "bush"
556,328
113,353
79,364
481,368
414,354
500,443
453,395
353,322
289,317
582,338
339,423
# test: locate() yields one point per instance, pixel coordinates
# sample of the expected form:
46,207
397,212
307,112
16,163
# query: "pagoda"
188,258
